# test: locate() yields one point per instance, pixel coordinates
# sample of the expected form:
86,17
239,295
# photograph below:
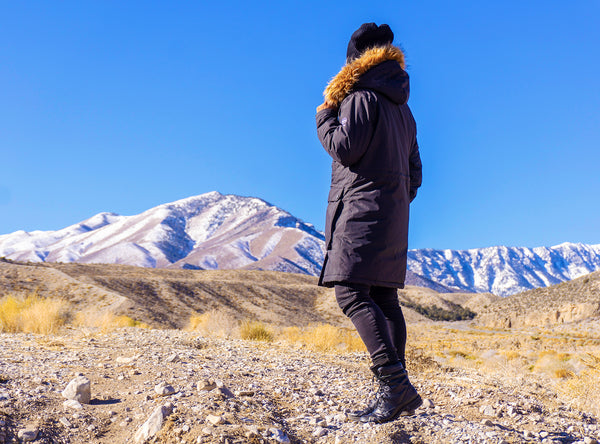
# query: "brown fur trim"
341,85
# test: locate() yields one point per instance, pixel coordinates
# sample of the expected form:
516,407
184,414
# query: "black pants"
378,318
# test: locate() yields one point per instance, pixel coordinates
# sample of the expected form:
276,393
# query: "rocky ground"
186,388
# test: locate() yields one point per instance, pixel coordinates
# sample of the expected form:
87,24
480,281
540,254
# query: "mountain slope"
215,231
209,231
505,270
571,301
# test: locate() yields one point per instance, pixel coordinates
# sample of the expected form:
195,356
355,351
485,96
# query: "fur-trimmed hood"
380,69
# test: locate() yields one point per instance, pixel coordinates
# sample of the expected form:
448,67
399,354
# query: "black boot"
395,397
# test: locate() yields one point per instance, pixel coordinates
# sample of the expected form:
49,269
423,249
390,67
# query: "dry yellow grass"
567,364
255,331
106,321
325,338
32,314
214,323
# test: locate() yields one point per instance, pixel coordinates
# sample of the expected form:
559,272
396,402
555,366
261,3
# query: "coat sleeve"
416,169
346,134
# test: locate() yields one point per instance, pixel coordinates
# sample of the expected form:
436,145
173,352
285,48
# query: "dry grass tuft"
214,323
325,338
32,314
106,321
255,331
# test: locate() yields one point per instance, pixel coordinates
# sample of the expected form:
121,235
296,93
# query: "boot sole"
405,410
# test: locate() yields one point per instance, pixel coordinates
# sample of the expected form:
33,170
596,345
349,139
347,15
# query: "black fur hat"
368,36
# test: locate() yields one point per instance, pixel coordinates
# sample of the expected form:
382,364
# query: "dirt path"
261,393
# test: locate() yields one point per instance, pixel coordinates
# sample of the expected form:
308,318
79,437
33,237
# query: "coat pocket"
334,209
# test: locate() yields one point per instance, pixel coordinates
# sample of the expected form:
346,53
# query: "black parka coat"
376,170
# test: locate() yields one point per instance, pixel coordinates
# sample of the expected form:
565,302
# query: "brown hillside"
570,301
166,298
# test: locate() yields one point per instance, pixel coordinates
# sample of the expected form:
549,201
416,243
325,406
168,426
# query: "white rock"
72,404
173,358
64,421
164,389
588,440
319,431
427,404
215,420
28,434
487,410
279,436
153,424
124,360
79,389
206,385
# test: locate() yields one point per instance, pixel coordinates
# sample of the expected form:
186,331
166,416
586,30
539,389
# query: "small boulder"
215,419
164,389
79,389
206,385
72,404
28,434
153,424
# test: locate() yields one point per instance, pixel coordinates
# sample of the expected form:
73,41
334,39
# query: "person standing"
368,129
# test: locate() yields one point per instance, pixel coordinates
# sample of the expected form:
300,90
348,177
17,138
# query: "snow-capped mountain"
505,270
213,231
209,231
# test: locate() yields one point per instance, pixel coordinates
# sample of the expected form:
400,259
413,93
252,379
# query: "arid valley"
192,356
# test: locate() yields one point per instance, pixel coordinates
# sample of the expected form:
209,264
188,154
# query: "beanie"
369,35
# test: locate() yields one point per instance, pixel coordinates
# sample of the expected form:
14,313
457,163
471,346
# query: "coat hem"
331,281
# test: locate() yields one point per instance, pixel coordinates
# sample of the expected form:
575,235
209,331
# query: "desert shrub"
214,323
255,331
325,337
32,314
435,313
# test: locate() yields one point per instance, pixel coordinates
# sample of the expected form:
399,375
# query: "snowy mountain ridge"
213,231
505,270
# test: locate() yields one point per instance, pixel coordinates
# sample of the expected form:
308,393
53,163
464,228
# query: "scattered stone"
588,440
215,419
173,358
511,411
79,389
206,385
72,404
207,431
319,431
153,424
487,410
544,434
246,393
124,360
164,389
64,421
252,433
528,434
279,436
487,422
28,434
427,404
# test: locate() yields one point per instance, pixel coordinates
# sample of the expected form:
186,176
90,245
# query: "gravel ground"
177,387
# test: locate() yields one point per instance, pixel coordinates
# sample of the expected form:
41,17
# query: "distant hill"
166,298
571,301
217,232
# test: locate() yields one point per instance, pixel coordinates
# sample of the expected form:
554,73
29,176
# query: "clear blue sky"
121,106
